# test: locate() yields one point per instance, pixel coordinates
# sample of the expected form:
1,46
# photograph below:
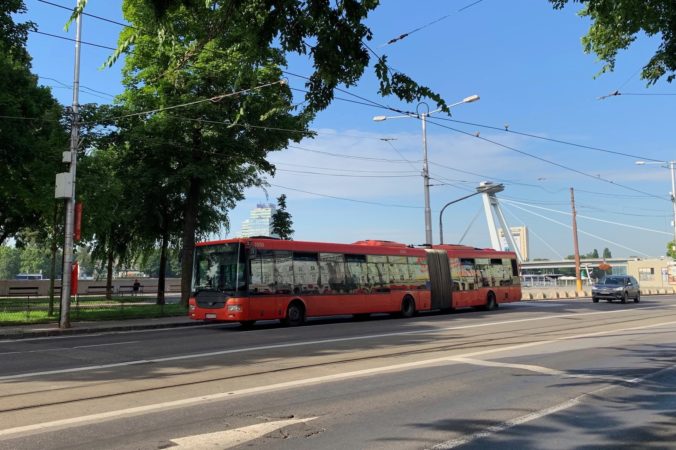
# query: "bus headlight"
235,308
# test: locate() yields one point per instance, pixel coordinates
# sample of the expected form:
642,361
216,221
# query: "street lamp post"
484,188
671,165
425,171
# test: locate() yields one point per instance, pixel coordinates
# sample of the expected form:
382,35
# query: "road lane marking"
106,333
539,369
494,429
231,438
93,418
301,344
61,349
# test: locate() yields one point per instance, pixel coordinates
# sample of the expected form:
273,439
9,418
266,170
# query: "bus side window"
456,274
305,273
332,273
262,273
283,272
356,277
379,274
420,275
399,276
468,273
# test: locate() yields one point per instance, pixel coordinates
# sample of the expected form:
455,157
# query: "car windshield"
614,281
219,267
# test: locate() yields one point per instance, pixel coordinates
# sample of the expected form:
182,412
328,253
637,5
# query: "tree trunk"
188,247
163,268
109,276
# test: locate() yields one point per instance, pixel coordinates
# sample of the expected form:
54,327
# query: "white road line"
62,349
305,343
93,418
105,333
539,369
231,438
457,442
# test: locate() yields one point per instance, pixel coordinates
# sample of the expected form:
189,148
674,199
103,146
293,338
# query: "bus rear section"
465,277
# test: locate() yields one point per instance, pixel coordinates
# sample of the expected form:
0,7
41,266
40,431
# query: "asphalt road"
533,375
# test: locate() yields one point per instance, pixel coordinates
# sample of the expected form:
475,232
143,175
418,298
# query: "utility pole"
426,182
673,200
64,321
578,279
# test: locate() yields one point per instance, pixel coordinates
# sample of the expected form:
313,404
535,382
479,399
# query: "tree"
334,38
606,253
10,262
30,150
281,220
195,161
617,23
671,249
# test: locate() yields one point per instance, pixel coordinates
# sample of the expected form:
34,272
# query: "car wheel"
638,298
624,298
595,300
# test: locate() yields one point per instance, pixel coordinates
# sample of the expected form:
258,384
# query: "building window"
646,274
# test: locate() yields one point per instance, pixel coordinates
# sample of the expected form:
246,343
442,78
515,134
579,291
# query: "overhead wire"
389,205
73,40
539,158
581,231
581,216
405,35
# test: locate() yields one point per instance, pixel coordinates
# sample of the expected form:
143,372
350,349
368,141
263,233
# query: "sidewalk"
52,329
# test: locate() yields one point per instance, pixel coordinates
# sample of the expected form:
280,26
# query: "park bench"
129,289
174,288
22,291
97,289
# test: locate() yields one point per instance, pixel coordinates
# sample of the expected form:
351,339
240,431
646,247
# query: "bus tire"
295,314
491,303
247,324
407,307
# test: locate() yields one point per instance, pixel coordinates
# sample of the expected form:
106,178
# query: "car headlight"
235,308
619,288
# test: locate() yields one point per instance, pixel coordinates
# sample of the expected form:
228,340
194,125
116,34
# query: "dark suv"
617,288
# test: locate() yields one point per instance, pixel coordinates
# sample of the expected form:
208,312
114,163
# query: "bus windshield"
219,268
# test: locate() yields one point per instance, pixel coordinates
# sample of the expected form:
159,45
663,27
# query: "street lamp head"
379,118
640,163
470,99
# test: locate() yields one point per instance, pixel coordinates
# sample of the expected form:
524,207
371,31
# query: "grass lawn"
14,311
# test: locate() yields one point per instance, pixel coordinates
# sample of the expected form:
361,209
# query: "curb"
23,334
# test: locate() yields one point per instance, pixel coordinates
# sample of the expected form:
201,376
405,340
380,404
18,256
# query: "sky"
539,128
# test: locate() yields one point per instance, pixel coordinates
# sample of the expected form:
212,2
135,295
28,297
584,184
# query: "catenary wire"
539,158
72,40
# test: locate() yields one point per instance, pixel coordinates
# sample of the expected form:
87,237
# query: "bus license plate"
211,316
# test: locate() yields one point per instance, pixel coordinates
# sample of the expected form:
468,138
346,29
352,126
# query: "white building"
520,235
259,222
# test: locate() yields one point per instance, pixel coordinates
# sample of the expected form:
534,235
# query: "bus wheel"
407,307
295,314
247,324
491,304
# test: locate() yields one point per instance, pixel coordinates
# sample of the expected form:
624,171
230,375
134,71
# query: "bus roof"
360,247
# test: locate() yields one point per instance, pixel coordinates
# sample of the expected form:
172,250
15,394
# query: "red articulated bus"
249,279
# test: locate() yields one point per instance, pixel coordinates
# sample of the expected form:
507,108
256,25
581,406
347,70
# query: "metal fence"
26,309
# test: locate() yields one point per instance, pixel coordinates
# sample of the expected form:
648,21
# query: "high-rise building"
520,236
259,222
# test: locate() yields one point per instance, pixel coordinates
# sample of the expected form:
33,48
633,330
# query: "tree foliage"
281,220
333,37
30,150
616,24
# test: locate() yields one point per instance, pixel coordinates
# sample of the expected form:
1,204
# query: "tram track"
496,340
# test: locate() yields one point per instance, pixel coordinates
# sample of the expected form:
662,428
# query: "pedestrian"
136,287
